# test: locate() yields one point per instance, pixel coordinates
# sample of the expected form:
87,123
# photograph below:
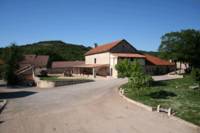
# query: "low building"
110,54
32,63
102,60
60,67
157,66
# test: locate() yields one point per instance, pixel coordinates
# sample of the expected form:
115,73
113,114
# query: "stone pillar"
94,72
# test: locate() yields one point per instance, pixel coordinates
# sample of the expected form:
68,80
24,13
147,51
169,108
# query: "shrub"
137,79
123,68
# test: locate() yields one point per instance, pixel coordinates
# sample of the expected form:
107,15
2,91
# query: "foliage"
196,74
181,46
137,78
172,93
57,50
154,53
11,55
124,68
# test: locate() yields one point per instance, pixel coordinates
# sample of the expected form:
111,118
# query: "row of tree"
182,46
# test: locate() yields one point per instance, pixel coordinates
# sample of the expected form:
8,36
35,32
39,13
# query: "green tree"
183,46
123,68
11,56
137,78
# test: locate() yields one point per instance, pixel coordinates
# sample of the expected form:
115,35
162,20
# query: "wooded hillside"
57,50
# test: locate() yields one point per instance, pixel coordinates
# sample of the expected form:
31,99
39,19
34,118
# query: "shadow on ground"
162,94
159,83
18,94
1,122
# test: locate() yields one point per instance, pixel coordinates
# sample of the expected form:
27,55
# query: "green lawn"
56,78
49,78
173,93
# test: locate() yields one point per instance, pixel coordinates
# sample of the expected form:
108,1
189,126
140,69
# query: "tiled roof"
103,48
36,60
129,55
64,64
157,61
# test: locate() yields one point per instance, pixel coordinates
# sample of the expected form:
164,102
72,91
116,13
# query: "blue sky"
141,22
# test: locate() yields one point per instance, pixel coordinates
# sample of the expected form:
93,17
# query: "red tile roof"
157,61
64,64
103,48
129,55
36,60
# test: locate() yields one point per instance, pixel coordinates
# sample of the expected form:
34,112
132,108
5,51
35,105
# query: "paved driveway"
93,107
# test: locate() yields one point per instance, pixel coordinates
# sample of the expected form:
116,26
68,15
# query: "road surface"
94,107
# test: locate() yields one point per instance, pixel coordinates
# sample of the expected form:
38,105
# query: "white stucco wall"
107,58
101,58
114,61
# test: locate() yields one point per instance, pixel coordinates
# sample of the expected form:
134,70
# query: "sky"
140,22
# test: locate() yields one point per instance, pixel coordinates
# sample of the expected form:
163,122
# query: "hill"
150,52
57,50
60,51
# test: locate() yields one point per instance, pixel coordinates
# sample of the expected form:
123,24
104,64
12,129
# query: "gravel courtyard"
93,107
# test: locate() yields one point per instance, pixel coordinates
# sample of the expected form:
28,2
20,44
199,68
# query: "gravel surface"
94,107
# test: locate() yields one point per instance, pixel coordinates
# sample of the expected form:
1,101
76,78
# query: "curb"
185,122
121,93
2,104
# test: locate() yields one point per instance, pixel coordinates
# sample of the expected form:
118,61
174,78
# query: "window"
95,60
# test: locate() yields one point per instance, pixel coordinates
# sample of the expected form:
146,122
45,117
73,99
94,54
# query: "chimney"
95,45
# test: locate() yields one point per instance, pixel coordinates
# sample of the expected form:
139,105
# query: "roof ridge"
104,47
116,41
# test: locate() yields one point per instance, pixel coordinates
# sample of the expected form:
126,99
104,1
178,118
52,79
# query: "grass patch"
173,93
50,78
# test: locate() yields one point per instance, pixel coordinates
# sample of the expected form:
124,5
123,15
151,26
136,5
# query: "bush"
140,80
137,78
123,68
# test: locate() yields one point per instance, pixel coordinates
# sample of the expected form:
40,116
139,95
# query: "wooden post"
121,91
169,112
158,108
94,72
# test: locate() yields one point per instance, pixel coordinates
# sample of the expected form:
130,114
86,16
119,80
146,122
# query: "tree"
183,46
123,68
137,79
11,56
